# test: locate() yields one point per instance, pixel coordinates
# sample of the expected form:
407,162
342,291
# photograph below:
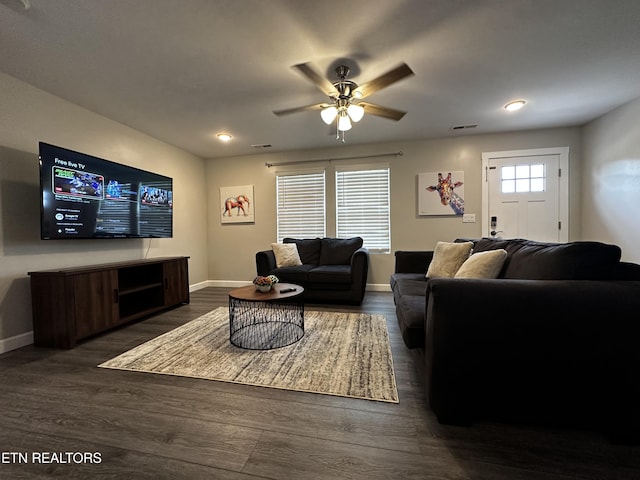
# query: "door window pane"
522,171
537,171
508,186
508,172
522,185
537,184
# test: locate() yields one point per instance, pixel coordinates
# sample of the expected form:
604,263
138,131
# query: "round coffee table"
266,320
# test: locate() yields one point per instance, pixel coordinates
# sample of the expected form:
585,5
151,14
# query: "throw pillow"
483,264
448,258
286,254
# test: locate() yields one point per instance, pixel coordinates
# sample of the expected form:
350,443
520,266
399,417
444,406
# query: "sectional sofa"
553,338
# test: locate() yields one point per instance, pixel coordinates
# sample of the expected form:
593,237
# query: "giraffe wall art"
441,193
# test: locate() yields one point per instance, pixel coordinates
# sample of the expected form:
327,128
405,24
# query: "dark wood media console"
71,304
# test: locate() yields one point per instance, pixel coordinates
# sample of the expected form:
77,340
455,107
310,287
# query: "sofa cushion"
286,254
410,286
563,261
410,310
294,274
308,249
483,264
338,251
448,257
399,277
330,274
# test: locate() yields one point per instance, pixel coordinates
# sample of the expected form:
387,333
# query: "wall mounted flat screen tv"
86,197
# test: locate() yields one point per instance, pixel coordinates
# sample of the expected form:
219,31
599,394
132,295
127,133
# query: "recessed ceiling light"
224,137
515,105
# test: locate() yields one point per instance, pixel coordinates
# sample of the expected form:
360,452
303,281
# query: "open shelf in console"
139,277
140,302
140,290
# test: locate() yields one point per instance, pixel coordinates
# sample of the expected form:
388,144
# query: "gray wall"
232,247
611,180
29,115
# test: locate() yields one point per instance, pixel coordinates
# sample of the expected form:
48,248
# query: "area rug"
343,354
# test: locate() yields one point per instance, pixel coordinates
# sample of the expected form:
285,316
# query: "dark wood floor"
155,426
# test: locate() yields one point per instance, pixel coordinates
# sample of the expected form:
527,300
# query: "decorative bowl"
263,288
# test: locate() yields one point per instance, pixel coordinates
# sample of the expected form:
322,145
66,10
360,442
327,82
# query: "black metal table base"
259,325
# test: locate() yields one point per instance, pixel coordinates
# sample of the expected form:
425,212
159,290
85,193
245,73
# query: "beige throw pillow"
286,254
447,259
483,264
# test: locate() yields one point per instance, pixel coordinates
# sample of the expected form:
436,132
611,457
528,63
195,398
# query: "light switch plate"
469,218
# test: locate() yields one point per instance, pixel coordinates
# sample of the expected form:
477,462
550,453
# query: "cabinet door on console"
176,282
96,297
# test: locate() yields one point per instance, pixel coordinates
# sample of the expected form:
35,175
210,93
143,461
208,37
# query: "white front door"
525,194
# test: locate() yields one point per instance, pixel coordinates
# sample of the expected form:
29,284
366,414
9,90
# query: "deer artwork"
238,202
445,188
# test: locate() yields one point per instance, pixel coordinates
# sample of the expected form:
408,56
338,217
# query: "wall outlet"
469,218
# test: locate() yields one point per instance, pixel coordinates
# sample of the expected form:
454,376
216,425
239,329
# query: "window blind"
363,207
301,205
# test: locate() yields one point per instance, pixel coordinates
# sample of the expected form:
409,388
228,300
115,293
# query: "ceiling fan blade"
306,108
392,76
318,80
386,112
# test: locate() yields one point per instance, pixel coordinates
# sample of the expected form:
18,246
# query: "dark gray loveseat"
332,270
554,339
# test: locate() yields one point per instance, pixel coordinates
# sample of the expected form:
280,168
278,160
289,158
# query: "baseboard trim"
378,287
18,341
198,286
228,283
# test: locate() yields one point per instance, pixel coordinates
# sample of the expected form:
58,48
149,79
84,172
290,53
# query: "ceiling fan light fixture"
515,105
328,114
344,122
356,112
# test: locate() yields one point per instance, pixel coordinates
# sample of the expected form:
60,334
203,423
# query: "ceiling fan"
345,96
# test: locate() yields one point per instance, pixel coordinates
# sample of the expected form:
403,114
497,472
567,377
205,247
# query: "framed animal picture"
441,193
236,204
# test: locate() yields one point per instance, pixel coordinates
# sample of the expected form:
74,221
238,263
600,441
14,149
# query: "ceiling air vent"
261,145
463,127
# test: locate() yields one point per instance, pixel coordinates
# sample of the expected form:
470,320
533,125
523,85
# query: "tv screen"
88,197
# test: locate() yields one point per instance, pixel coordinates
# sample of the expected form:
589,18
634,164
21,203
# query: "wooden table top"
250,293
